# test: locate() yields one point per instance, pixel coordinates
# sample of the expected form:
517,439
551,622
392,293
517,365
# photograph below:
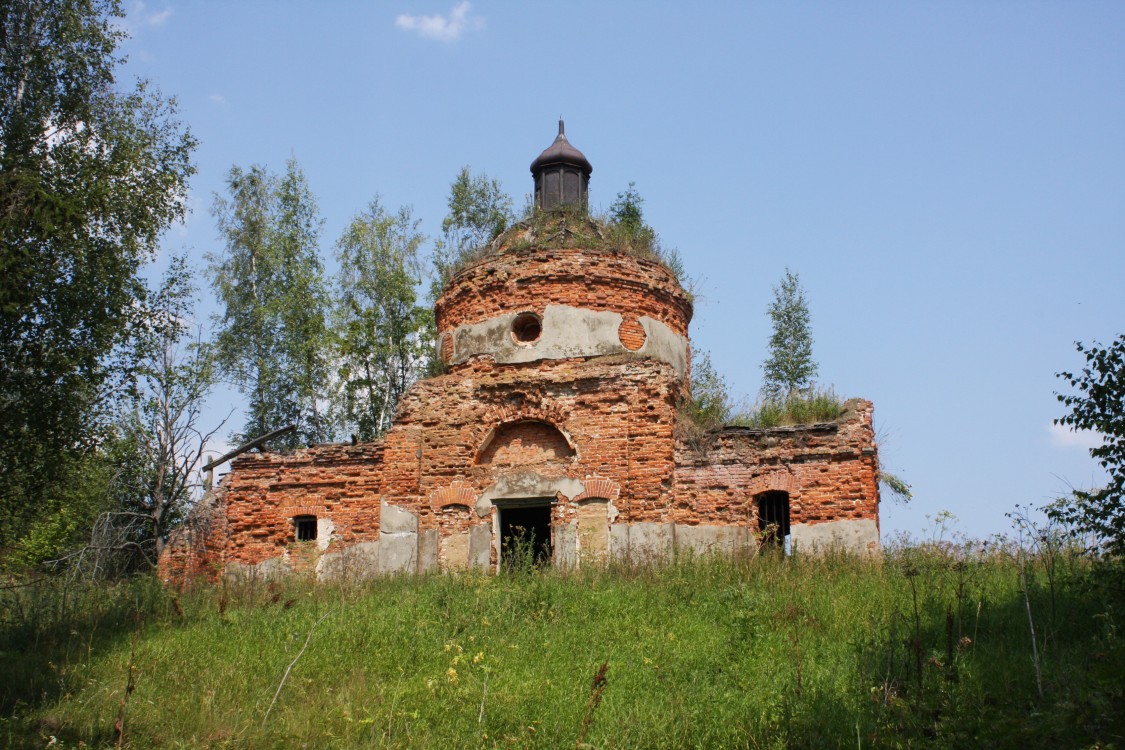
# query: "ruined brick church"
554,424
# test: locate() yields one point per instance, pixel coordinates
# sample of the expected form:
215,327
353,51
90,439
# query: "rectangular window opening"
773,519
305,527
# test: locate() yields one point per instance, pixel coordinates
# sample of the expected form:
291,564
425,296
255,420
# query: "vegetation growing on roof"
814,406
620,230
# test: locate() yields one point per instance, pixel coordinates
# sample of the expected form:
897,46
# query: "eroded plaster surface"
567,332
853,535
520,485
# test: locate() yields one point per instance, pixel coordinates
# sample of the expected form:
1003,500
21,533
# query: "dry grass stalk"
597,687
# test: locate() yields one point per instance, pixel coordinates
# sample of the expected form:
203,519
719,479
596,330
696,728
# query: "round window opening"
527,328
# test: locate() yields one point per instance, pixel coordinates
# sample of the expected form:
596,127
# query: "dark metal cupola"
562,174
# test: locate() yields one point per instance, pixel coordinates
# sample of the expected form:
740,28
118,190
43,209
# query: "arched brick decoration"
447,347
457,493
525,443
778,481
525,411
289,511
596,487
632,334
500,415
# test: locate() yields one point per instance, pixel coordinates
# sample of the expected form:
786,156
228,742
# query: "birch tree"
383,332
272,334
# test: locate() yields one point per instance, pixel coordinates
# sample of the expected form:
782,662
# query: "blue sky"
948,178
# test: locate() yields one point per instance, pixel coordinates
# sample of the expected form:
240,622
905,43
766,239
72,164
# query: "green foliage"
1099,405
272,337
84,491
479,210
707,405
812,406
628,230
626,215
898,486
925,646
623,230
384,334
790,366
90,177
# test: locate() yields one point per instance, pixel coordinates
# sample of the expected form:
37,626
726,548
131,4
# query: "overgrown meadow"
926,646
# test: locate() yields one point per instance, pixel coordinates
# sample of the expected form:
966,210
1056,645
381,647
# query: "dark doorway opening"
773,518
525,535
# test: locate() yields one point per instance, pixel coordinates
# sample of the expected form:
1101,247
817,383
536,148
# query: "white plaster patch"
859,535
567,332
325,528
525,485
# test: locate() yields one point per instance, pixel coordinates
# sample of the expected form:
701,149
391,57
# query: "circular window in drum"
527,328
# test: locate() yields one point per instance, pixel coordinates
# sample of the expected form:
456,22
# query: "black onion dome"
561,152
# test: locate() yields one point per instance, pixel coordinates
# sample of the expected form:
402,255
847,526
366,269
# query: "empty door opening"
525,535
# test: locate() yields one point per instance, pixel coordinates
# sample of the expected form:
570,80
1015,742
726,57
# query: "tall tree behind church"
384,334
272,335
479,210
790,368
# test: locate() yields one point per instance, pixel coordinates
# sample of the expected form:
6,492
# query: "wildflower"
478,658
452,674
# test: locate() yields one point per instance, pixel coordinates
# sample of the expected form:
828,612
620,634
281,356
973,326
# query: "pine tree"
790,367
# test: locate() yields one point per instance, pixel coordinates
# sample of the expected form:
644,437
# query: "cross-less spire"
562,174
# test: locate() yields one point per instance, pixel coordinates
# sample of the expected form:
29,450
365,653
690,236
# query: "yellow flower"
452,674
478,658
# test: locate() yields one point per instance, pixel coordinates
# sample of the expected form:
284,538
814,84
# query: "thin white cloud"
1066,437
443,28
140,15
218,99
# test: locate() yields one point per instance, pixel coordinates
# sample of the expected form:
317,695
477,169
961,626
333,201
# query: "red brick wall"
617,414
525,444
529,280
607,422
829,471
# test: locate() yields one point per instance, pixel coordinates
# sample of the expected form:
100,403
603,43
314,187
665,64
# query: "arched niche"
526,442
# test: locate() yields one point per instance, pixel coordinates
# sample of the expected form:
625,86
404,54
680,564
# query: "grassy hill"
925,647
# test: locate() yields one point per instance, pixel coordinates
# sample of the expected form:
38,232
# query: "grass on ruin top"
815,406
566,227
921,648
